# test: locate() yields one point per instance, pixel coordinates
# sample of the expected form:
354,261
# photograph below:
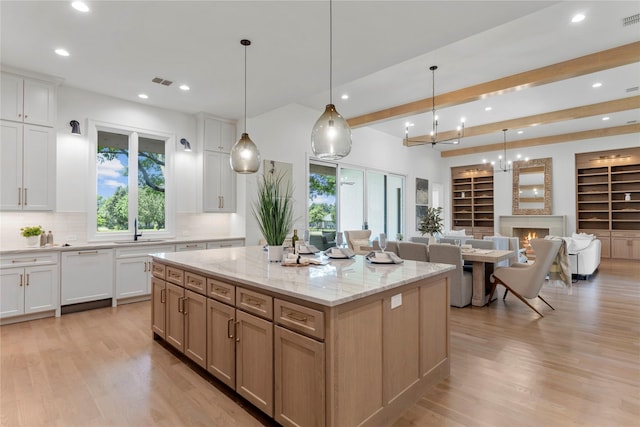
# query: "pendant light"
331,135
245,157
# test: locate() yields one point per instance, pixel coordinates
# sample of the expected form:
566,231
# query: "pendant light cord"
245,89
330,52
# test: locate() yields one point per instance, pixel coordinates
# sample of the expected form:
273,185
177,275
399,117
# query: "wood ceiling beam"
603,60
554,139
623,104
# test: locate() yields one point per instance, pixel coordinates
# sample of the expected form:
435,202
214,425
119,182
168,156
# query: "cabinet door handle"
145,266
27,282
16,261
297,317
87,252
219,202
180,305
184,306
21,280
229,329
25,196
222,197
19,196
163,296
226,245
235,326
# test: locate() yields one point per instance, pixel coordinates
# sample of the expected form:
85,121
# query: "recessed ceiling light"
345,96
80,6
598,84
520,132
62,52
408,124
143,96
488,108
606,118
184,87
577,18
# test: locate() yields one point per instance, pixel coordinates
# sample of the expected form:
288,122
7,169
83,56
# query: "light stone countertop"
338,282
111,245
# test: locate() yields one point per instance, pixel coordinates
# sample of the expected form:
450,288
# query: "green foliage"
113,212
318,211
36,230
431,222
150,209
321,185
273,209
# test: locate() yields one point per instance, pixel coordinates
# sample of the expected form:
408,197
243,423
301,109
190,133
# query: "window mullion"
133,179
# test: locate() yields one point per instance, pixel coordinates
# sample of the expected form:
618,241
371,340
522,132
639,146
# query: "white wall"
563,190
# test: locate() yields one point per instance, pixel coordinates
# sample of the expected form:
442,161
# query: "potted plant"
32,234
431,223
273,210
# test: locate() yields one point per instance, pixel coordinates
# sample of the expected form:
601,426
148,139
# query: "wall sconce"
185,144
75,127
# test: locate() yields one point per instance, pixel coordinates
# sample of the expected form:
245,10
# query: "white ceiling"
381,54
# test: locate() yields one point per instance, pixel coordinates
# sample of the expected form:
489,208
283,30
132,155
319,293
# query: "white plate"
376,260
337,256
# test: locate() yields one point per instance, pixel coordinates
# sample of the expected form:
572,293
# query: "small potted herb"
32,234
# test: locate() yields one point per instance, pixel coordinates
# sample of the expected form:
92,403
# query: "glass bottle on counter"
49,238
43,239
294,241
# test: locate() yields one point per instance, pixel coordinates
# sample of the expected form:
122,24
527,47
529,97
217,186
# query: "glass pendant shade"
331,135
245,157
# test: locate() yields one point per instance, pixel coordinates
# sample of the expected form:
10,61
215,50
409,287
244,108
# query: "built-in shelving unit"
472,199
608,200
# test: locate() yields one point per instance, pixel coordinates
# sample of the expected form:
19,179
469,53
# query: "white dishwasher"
86,275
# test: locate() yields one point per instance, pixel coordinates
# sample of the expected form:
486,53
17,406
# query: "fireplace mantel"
555,223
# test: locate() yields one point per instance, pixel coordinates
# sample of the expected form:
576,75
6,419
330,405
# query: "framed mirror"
532,187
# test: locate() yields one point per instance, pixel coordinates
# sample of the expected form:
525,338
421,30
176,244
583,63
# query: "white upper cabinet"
218,135
28,100
28,161
219,187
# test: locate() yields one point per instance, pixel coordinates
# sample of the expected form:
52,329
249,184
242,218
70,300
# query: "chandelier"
433,135
503,164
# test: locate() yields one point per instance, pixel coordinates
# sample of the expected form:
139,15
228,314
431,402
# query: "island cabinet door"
254,361
401,337
434,338
158,307
174,317
195,327
299,379
221,342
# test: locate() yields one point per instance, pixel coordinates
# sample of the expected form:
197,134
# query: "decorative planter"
274,253
33,241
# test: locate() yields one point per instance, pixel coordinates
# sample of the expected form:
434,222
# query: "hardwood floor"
579,365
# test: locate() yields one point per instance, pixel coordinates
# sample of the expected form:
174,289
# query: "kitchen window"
132,188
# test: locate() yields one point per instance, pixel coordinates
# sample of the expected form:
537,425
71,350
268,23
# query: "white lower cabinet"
29,285
133,270
86,276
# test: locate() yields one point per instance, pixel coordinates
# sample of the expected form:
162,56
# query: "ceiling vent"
630,20
161,81
632,89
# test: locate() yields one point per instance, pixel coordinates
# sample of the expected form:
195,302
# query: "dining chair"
525,280
392,246
358,241
413,251
461,285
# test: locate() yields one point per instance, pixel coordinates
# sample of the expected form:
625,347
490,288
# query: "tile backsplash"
71,227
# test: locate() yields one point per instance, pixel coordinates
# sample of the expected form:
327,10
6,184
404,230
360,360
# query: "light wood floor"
579,365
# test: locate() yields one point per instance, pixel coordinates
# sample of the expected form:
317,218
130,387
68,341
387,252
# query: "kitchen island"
343,344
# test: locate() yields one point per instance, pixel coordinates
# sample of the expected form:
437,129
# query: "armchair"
358,241
525,280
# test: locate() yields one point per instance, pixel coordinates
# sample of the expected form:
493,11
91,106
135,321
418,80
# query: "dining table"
479,258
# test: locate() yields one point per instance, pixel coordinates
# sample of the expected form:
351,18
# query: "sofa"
325,241
584,254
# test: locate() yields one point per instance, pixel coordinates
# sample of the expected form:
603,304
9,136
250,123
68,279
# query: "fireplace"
525,234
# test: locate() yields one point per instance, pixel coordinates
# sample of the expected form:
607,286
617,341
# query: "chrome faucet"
135,230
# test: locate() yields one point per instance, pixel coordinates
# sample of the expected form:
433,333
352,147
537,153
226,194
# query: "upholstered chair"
413,251
525,280
392,246
461,286
358,241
